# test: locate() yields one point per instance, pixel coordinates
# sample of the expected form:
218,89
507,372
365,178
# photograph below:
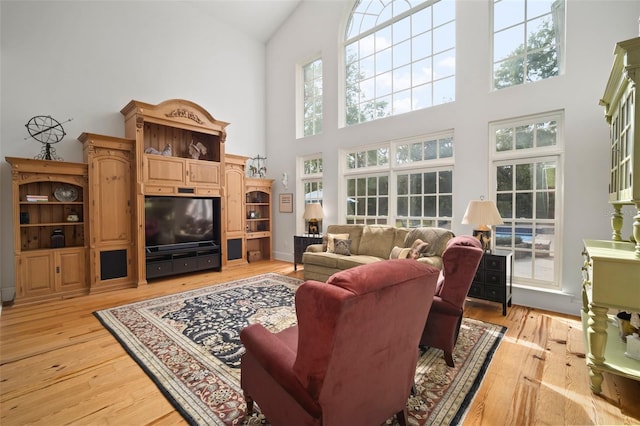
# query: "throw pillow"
399,253
342,247
331,241
417,248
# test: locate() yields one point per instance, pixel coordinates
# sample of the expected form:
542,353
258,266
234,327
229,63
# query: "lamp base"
314,227
484,236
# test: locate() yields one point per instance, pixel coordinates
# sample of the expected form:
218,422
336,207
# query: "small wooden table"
493,279
300,243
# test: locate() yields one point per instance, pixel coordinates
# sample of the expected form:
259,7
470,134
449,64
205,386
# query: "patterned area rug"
189,344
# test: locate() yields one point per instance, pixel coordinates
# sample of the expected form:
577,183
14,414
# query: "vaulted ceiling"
257,18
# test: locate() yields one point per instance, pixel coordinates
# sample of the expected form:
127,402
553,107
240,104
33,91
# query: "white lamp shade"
313,211
482,213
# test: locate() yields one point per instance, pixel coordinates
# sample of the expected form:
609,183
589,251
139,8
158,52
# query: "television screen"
178,220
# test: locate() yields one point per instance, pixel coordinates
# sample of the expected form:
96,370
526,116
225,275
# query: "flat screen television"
181,221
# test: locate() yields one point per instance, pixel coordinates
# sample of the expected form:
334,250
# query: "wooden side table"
300,243
493,280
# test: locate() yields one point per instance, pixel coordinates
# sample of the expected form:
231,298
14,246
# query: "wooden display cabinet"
179,151
49,235
234,240
258,206
111,225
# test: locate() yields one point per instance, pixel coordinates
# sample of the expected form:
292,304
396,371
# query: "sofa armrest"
315,248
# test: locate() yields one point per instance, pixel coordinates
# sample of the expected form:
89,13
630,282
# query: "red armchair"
352,357
460,261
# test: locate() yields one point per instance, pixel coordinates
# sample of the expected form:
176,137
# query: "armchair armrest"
277,358
442,306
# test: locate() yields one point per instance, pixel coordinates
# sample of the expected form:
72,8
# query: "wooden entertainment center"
97,239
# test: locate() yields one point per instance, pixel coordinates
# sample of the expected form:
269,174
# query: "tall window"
312,179
527,158
309,183
405,183
312,98
399,57
528,40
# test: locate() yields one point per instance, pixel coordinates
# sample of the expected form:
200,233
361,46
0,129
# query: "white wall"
593,27
87,60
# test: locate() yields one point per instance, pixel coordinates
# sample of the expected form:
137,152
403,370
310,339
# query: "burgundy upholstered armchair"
460,261
352,357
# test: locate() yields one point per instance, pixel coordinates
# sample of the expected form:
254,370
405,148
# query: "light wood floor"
58,365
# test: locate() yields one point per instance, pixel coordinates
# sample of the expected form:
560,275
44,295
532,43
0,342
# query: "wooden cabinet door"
36,277
70,271
203,173
159,170
235,196
111,197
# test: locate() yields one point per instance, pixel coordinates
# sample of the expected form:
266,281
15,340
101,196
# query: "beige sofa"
372,243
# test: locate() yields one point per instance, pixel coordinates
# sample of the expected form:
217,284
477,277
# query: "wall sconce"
482,213
313,215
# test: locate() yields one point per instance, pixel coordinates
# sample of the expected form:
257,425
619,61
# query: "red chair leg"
249,401
448,357
402,417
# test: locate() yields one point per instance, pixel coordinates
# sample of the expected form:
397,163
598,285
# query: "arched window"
399,57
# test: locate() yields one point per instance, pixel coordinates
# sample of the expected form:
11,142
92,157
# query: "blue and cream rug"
189,344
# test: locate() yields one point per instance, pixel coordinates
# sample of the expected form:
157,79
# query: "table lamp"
313,215
482,213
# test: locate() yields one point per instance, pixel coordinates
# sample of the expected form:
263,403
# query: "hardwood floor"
58,365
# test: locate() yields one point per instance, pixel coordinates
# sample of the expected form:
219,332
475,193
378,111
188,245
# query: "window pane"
383,185
445,206
415,184
504,140
416,205
431,150
524,205
383,206
444,91
430,183
403,206
546,133
446,182
524,177
430,206
446,148
504,178
505,205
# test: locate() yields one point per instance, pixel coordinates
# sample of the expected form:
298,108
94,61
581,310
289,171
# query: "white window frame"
300,95
439,62
526,21
392,169
554,153
304,178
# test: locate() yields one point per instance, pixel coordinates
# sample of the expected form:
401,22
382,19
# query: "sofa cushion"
436,237
377,240
329,260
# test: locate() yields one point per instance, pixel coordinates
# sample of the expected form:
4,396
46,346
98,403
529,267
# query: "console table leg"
597,339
